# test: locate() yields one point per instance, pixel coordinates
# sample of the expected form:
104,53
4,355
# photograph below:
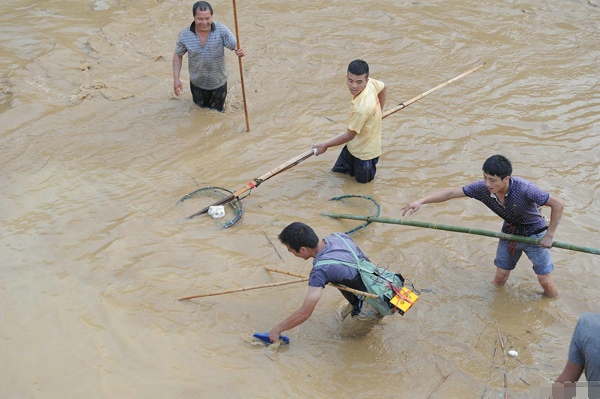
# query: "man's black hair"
298,235
202,6
497,165
359,67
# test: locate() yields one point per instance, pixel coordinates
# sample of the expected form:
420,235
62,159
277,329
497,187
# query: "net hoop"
219,192
366,197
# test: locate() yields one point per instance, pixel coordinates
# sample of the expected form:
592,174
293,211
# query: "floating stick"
341,287
255,287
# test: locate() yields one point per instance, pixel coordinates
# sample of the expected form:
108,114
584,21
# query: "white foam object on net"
217,211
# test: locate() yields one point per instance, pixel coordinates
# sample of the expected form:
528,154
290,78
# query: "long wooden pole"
296,160
504,236
254,287
237,37
341,287
256,182
420,96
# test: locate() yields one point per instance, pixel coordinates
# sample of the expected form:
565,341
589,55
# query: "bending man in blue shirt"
515,200
356,317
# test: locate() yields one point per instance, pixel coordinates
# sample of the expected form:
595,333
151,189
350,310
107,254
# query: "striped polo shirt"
206,63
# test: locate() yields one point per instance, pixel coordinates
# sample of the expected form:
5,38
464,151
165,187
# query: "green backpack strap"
329,261
356,258
372,283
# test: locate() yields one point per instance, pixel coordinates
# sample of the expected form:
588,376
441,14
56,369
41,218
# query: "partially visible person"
584,350
205,41
362,138
517,201
357,317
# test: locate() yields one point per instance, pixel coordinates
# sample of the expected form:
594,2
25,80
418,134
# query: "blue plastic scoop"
265,338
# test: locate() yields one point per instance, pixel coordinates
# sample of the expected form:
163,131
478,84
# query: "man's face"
356,83
203,20
300,254
495,184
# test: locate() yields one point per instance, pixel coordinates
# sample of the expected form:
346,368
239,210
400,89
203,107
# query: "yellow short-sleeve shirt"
365,120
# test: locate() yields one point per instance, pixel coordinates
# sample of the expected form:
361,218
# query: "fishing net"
206,196
360,201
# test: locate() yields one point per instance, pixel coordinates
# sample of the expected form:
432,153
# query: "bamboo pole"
296,160
237,37
255,287
420,96
341,287
257,181
468,230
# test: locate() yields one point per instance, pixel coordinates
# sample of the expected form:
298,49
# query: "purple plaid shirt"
520,210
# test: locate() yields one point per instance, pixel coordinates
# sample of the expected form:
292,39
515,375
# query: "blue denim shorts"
538,255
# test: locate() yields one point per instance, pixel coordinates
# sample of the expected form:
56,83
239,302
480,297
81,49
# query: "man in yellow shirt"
362,139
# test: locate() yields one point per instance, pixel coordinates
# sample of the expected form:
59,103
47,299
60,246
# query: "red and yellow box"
404,300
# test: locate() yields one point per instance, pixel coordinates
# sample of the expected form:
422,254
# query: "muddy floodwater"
97,151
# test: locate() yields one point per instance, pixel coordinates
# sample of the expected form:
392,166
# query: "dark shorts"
362,171
214,99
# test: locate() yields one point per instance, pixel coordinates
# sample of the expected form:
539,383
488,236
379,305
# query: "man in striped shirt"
205,42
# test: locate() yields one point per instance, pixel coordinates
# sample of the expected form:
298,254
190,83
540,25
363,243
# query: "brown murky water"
96,152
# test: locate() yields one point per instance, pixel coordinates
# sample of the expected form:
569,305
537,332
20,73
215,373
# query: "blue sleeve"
475,189
317,278
584,349
537,195
575,353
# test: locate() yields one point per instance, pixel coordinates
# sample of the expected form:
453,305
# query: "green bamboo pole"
504,236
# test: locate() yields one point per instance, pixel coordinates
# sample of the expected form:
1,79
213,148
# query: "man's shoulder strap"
330,261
